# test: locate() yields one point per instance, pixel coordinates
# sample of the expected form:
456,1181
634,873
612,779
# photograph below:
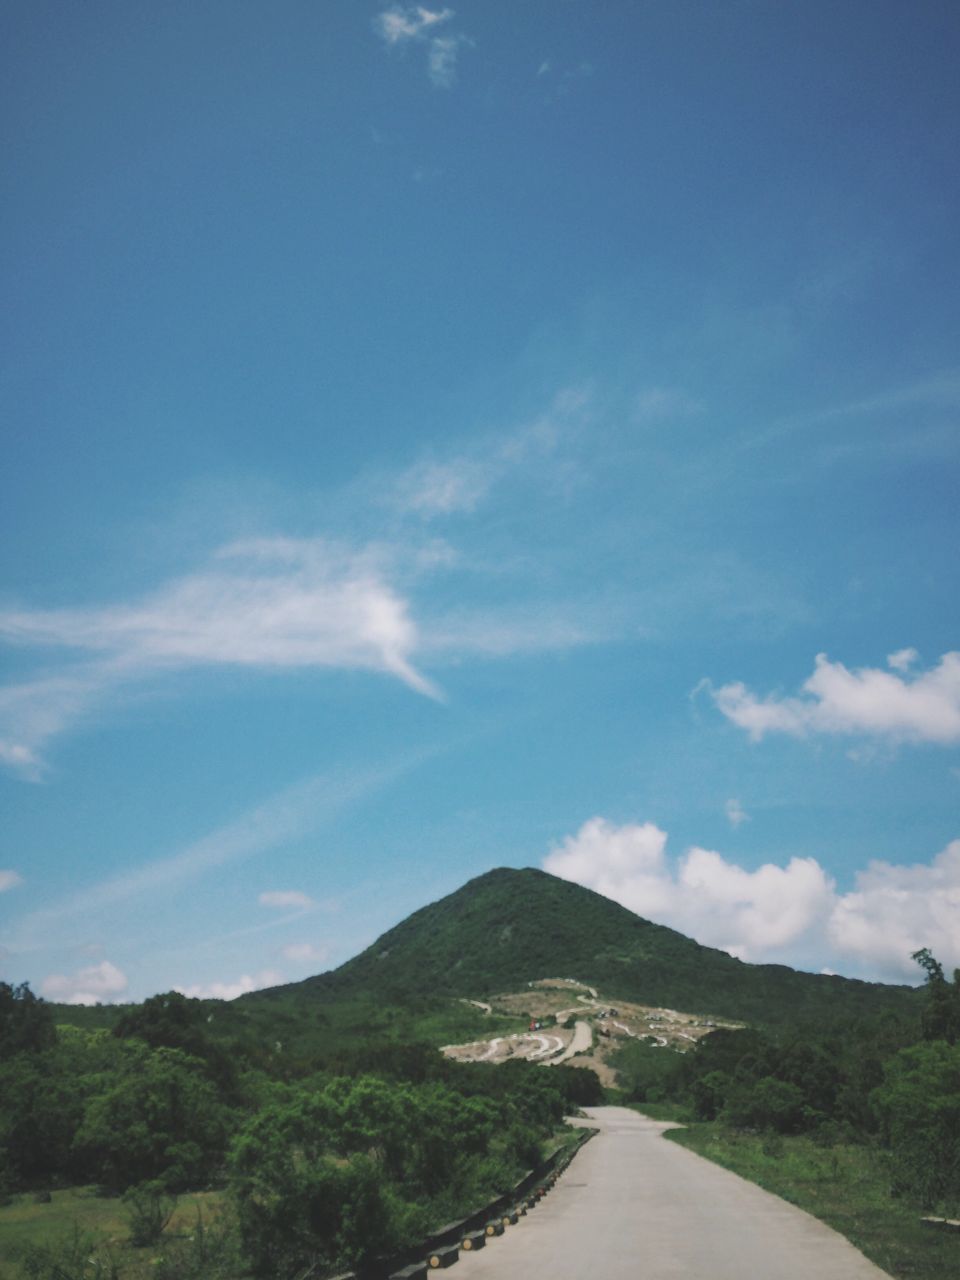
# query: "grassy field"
844,1185
102,1220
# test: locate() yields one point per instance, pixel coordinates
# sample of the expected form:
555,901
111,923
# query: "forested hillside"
509,927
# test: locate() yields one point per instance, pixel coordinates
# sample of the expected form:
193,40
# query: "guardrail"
442,1248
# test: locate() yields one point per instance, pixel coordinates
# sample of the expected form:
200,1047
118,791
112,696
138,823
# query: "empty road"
633,1206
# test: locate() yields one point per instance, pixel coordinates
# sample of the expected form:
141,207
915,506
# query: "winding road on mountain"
634,1205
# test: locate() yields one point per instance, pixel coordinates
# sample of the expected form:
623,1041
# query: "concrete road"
633,1206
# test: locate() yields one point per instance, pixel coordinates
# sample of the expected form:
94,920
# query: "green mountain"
510,927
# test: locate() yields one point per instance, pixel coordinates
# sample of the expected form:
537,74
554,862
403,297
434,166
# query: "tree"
160,1120
767,1104
941,1017
299,1208
175,1021
26,1021
918,1105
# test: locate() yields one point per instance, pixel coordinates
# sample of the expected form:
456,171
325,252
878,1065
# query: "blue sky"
442,438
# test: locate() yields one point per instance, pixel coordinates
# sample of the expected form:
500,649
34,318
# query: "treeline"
323,1171
891,1081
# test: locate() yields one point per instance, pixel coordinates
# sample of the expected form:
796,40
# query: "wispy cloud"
934,394
33,713
283,817
286,899
894,706
459,483
657,404
9,880
279,603
442,59
790,912
270,602
432,488
263,603
736,814
399,26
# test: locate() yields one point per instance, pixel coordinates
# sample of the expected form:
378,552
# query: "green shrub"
149,1209
79,1258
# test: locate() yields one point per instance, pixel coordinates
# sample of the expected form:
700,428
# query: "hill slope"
509,927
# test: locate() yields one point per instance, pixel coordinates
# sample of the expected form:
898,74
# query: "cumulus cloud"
903,659
306,952
9,880
895,910
230,990
97,984
285,898
745,912
895,706
789,913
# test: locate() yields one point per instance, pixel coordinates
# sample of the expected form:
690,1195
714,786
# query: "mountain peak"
512,926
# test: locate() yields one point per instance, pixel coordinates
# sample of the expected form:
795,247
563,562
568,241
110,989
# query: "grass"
24,1223
844,1185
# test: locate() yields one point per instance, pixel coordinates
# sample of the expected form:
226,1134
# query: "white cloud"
701,894
9,880
230,990
34,712
285,898
459,483
299,604
442,60
397,25
96,984
443,488
306,952
270,603
735,812
903,659
867,701
895,910
789,913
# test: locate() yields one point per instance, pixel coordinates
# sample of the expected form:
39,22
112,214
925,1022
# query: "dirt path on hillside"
582,1040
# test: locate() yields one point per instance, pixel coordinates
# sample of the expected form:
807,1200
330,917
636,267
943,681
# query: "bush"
76,1259
211,1252
768,1104
149,1208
